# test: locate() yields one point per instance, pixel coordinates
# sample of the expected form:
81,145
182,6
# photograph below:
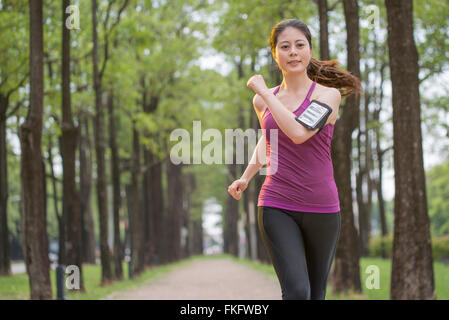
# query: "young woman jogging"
298,205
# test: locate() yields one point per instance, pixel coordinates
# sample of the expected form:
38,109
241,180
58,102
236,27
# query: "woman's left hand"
257,83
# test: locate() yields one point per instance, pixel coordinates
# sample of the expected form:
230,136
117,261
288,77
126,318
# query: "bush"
440,247
375,246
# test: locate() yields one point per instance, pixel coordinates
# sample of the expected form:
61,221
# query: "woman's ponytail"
325,72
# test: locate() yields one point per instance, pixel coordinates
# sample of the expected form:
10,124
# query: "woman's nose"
293,51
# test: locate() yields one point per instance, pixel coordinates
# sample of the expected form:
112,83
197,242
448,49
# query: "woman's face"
293,52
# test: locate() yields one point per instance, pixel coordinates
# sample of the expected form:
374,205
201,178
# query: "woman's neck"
294,83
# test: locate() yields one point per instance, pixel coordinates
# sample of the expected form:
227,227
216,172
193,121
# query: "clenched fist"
257,83
237,187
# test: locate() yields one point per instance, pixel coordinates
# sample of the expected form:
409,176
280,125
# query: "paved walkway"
207,279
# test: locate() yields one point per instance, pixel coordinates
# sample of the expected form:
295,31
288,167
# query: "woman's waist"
299,179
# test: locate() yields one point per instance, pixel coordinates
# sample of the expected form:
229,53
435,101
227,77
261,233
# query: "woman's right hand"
237,187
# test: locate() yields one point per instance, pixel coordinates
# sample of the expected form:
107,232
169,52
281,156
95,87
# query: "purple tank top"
304,176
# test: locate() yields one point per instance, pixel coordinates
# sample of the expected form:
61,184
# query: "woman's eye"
283,47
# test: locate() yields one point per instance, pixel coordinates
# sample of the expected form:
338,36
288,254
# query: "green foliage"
437,182
376,244
440,247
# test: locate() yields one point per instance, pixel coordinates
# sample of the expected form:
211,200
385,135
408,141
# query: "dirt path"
214,279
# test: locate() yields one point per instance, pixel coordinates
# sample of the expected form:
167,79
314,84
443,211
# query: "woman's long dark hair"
324,72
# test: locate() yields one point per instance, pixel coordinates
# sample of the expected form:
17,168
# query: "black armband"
315,115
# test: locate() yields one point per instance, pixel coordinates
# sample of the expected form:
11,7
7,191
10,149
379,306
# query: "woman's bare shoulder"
323,91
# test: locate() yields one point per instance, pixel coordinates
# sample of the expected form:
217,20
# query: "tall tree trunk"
136,219
102,198
380,154
195,228
151,185
252,193
412,266
185,222
324,33
71,200
5,263
157,208
363,179
87,221
346,268
363,232
231,219
62,223
369,182
197,240
118,258
174,210
35,246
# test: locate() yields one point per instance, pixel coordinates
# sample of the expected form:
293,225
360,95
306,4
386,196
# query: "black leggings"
301,246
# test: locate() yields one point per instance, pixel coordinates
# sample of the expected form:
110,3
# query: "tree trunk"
174,210
380,154
197,247
252,193
87,221
346,268
157,209
102,198
324,33
363,179
369,182
136,219
71,200
151,183
5,263
185,205
231,239
35,246
195,229
115,170
412,266
62,223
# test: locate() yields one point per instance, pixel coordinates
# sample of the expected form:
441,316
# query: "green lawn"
17,287
441,272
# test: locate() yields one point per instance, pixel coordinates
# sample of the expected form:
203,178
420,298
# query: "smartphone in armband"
315,115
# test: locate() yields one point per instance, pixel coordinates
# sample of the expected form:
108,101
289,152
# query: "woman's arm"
257,160
284,118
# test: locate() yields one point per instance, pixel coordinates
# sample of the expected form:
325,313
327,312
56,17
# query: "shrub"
375,246
440,247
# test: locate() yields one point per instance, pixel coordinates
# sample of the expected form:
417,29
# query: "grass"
441,275
17,287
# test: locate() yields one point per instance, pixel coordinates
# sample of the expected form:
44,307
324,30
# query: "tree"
106,275
412,266
347,270
69,141
35,246
14,73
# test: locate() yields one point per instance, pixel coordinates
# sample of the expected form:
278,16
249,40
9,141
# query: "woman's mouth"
294,63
